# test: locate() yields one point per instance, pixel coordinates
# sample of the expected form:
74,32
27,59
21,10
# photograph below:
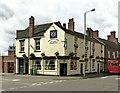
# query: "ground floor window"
93,63
37,64
50,65
73,65
86,65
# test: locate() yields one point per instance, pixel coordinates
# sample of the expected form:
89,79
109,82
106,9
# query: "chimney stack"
71,24
64,25
96,34
108,37
31,26
89,32
113,33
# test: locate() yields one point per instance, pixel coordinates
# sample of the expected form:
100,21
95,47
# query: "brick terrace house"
111,45
8,62
52,49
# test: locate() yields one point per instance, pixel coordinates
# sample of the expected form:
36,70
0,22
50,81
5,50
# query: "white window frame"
108,54
22,45
49,66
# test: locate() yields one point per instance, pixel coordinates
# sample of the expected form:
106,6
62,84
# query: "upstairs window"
108,54
37,44
53,34
22,45
113,55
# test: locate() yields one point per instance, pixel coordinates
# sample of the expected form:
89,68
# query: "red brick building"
111,45
8,62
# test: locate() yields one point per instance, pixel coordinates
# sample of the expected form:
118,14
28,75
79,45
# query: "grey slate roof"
39,30
110,45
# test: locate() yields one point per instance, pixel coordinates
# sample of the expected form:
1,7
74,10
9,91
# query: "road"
53,83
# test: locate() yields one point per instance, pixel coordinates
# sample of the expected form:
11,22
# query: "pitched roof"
39,30
110,45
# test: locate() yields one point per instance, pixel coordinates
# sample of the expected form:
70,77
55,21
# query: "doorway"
21,66
10,67
98,68
81,69
63,69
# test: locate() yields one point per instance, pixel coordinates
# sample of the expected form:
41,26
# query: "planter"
34,71
31,71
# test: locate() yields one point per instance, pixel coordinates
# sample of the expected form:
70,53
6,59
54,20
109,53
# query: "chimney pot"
64,25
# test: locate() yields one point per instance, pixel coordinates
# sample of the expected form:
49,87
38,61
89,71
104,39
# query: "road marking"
45,83
104,77
34,84
117,78
12,88
50,82
16,80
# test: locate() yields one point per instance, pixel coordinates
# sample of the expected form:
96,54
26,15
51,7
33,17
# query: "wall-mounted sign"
53,34
53,41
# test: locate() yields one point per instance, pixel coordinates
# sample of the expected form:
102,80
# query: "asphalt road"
55,83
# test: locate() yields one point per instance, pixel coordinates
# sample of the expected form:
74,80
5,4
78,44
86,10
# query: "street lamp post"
85,57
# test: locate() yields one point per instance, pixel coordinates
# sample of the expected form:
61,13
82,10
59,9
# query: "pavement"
91,75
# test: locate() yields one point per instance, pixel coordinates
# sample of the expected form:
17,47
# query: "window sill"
37,51
21,52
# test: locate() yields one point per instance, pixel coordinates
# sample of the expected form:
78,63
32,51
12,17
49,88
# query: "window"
50,65
37,64
53,34
73,65
22,46
93,63
117,53
114,64
108,54
37,44
86,65
113,55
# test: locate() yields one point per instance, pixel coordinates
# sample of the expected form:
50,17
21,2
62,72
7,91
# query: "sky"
14,15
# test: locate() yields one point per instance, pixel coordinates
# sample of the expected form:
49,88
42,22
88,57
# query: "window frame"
37,40
22,45
49,66
37,66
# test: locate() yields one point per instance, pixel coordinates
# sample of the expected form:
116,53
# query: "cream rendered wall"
70,44
45,46
18,47
50,49
97,53
81,48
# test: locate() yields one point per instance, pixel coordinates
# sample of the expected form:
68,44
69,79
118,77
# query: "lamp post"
85,57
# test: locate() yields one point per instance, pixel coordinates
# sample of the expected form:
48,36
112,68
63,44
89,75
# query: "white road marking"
12,88
50,82
104,77
45,83
117,78
16,80
34,84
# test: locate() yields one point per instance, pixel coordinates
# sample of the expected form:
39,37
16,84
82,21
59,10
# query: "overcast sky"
14,15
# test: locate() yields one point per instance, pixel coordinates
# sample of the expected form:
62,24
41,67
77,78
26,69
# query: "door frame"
63,69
